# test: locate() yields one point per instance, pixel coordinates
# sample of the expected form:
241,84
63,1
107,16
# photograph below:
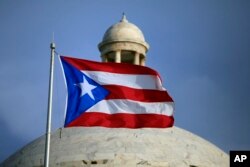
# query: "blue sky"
200,48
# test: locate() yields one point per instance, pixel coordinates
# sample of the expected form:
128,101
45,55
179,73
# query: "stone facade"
118,147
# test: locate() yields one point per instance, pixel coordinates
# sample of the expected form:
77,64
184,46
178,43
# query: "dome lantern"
124,42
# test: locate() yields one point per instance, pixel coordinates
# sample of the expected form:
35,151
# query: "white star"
86,88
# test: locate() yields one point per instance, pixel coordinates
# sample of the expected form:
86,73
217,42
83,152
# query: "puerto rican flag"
115,95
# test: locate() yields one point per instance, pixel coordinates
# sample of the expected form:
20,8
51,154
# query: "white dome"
124,32
81,146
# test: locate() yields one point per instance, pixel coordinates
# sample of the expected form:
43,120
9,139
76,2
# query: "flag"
115,95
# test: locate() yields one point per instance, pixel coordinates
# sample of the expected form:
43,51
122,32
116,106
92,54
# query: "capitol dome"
124,31
120,147
124,42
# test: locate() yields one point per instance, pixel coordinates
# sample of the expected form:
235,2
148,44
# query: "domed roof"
82,146
124,31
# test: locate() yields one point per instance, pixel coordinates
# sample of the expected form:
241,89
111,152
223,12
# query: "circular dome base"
97,146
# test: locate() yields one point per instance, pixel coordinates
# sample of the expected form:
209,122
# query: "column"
137,58
118,56
104,58
143,61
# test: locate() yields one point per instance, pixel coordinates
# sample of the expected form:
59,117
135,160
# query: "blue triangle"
78,104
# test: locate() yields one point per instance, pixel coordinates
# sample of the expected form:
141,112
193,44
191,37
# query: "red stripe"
143,95
121,120
121,68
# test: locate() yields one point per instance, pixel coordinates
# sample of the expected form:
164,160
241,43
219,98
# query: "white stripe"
134,107
129,80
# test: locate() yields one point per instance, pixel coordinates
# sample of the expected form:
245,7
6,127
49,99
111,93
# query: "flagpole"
48,128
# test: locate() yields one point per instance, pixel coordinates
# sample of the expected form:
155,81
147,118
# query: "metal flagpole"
48,129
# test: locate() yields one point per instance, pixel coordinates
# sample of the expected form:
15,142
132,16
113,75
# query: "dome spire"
124,19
